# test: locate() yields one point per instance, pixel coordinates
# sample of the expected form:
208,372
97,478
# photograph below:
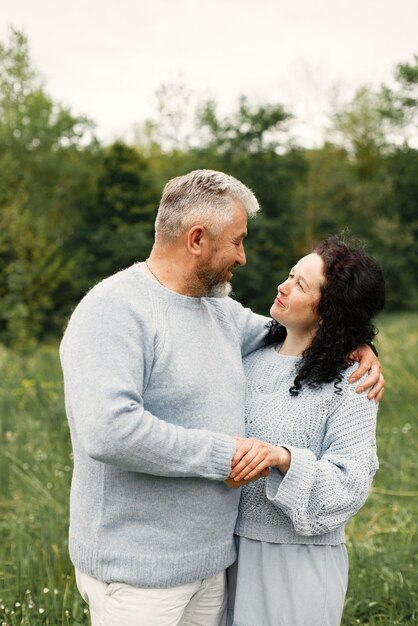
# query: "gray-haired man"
155,395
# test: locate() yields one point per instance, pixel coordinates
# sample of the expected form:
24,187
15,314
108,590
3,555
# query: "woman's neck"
295,343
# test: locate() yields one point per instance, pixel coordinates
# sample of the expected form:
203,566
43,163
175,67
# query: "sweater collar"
189,302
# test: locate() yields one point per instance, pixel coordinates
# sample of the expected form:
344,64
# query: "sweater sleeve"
106,356
249,326
321,494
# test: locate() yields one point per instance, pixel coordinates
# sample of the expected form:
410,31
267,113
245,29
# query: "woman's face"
298,296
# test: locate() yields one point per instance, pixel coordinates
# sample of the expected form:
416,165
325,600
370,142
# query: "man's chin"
220,290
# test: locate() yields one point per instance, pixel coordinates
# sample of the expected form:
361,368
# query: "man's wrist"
372,346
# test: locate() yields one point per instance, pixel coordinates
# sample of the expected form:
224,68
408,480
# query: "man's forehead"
238,229
240,216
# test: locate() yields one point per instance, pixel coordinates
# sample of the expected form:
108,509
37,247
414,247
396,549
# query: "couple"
156,392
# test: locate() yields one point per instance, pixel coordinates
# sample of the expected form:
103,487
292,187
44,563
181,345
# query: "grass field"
36,580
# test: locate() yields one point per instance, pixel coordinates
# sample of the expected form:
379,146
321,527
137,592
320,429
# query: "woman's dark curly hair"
353,292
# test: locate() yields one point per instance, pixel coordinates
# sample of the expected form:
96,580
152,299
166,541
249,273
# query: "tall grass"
382,539
36,577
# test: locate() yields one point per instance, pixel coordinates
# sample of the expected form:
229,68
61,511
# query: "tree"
118,227
400,104
44,152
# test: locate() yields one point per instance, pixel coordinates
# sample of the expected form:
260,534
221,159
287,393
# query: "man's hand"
368,362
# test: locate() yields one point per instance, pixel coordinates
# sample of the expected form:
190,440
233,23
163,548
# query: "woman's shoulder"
345,375
349,401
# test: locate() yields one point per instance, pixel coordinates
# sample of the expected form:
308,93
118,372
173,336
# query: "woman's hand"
252,457
233,484
368,362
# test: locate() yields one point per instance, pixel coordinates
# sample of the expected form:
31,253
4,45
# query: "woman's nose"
282,288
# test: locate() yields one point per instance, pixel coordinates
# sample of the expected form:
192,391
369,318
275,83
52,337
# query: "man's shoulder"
228,305
226,309
123,286
117,303
116,297
239,314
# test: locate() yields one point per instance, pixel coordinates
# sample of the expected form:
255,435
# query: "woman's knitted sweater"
331,437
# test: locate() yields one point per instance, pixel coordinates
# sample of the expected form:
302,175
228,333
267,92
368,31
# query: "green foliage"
34,272
401,102
251,130
360,126
36,576
43,169
118,226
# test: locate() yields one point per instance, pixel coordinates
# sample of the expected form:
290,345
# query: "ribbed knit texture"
332,442
154,392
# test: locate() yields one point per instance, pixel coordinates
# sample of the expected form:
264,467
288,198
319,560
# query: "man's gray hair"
202,196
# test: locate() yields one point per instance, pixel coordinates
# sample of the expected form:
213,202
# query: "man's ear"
196,237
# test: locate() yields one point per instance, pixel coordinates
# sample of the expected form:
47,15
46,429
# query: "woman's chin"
275,314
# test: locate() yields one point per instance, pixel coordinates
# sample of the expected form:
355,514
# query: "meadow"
36,579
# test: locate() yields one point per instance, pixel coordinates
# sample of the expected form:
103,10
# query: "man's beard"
220,290
213,285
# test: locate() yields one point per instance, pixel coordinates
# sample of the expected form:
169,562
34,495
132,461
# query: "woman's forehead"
311,267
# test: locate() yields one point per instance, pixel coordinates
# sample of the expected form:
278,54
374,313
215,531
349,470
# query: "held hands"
234,484
368,362
252,460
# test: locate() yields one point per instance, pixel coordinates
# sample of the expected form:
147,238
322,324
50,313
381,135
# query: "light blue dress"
275,584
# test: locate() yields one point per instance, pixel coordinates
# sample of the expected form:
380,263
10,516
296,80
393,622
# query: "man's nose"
241,258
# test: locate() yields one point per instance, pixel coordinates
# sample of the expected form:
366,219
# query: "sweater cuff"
223,451
292,491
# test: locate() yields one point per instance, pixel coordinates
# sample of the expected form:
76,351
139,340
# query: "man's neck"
168,269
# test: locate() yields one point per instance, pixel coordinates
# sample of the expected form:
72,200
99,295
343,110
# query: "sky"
107,58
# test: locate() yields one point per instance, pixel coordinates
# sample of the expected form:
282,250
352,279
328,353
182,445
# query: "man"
155,398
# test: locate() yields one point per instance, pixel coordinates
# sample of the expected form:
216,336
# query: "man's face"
226,254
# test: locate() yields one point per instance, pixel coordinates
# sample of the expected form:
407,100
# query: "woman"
306,423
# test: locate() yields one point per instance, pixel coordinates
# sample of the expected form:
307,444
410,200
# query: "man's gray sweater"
154,392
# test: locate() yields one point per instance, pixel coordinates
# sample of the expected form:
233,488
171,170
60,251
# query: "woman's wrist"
283,459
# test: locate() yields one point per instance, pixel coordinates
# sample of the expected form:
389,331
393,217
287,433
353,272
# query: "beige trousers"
200,603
